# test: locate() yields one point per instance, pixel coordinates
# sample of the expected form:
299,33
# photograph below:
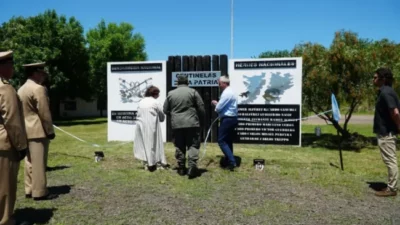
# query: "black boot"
193,172
182,171
231,167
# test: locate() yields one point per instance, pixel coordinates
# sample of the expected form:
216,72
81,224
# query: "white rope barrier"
92,144
205,140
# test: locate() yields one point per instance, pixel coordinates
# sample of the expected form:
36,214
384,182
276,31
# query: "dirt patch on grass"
248,200
298,186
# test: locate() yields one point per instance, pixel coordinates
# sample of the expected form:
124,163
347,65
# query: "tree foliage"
75,68
111,42
345,68
385,53
56,40
275,54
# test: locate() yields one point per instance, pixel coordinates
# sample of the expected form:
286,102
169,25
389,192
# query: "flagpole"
336,117
340,150
231,29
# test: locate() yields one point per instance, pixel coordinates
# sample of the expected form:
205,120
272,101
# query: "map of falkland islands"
277,86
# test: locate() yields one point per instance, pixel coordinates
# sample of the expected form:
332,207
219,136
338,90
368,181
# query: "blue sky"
184,27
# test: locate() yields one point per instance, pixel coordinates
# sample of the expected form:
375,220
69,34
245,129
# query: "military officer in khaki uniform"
13,140
39,129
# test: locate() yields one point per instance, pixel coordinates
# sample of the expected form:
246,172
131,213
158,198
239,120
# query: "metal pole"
231,29
340,150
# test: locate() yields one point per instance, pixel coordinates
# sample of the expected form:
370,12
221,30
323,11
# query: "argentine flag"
335,109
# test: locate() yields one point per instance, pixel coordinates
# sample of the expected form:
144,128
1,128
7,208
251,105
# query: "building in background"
71,108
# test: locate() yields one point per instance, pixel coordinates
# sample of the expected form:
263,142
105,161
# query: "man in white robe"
148,141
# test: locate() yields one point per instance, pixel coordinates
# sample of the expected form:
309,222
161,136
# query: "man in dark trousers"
387,126
227,109
185,107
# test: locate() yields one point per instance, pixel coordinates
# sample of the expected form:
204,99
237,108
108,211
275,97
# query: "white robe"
148,142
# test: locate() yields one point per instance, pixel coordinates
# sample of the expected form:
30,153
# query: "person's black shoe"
46,197
193,172
28,196
231,167
182,171
224,162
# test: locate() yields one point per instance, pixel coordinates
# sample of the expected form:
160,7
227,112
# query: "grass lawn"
299,185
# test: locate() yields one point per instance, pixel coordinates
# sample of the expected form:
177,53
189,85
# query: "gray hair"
224,79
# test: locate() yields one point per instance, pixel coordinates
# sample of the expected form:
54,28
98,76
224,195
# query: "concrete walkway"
355,119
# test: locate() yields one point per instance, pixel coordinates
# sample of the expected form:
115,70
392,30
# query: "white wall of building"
80,108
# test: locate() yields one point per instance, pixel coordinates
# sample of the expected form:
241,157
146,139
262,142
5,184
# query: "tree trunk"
55,107
344,132
101,103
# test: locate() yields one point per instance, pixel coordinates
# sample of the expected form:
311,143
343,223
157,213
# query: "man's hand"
51,136
394,113
214,102
22,154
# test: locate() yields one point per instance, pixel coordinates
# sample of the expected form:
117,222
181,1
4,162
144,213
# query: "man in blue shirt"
228,111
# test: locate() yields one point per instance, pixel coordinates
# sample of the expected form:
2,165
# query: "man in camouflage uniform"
186,108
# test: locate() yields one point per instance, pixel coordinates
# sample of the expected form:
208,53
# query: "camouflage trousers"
187,140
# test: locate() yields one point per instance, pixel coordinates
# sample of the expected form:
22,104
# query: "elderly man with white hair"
227,110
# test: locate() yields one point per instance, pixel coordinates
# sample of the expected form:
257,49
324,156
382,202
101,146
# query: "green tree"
275,54
284,54
386,53
109,43
317,82
60,43
345,69
348,62
342,69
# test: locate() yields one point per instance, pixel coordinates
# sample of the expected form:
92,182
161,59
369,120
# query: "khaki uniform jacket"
35,104
185,106
12,127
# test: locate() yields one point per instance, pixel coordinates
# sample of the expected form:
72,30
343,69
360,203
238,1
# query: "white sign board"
270,96
198,78
126,85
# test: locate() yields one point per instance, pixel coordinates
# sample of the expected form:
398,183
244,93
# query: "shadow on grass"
200,172
331,142
60,190
224,163
377,186
55,168
34,216
80,121
70,155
